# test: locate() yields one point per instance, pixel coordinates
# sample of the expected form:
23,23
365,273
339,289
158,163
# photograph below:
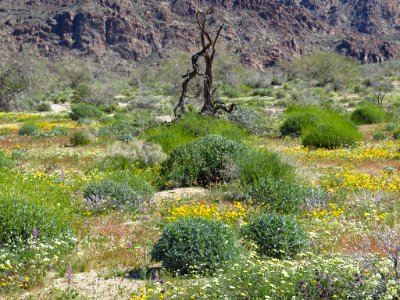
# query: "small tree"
380,88
14,79
210,104
326,67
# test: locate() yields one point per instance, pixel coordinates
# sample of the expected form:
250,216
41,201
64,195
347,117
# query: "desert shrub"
44,106
118,190
368,114
190,127
125,137
295,123
139,153
326,68
29,129
319,127
85,111
379,136
255,165
251,119
204,161
5,160
276,235
80,138
279,195
195,245
280,94
59,131
331,135
80,93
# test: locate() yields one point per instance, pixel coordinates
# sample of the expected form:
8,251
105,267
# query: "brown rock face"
262,32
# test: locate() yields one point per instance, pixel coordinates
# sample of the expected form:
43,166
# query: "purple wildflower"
35,235
69,275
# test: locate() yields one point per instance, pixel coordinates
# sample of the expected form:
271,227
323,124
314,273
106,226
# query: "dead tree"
207,53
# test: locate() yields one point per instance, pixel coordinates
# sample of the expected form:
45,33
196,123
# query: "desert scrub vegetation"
320,128
146,183
190,127
195,245
368,114
276,235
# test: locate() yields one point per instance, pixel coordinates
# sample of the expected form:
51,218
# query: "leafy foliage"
368,114
80,138
276,194
119,190
85,111
190,127
195,245
276,235
203,161
29,129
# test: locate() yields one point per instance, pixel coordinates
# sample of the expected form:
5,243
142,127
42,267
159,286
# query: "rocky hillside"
261,32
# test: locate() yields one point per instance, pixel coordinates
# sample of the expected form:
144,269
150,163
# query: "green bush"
85,111
320,127
276,235
119,190
331,135
204,161
44,106
195,245
59,131
379,136
81,93
295,123
80,138
190,127
280,195
255,165
368,114
29,129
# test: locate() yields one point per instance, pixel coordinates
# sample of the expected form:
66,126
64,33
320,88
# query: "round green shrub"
368,114
379,136
85,111
331,135
294,124
276,235
254,165
80,138
278,195
119,190
44,106
195,245
29,129
204,161
59,131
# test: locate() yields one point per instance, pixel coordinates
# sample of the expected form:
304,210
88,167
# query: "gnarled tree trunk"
210,106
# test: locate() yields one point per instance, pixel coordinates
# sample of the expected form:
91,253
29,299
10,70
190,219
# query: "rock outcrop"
261,32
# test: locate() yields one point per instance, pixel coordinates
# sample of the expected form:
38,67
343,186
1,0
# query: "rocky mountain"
261,32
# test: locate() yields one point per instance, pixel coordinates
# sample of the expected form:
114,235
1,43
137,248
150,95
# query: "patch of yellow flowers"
355,180
229,214
364,151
